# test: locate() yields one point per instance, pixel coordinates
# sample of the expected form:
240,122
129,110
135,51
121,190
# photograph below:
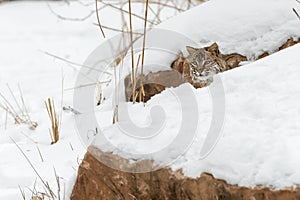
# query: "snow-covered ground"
29,29
261,130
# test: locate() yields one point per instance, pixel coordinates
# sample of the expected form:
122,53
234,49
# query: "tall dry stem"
142,91
54,131
98,19
132,51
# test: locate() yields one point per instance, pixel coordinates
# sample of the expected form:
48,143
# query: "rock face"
97,181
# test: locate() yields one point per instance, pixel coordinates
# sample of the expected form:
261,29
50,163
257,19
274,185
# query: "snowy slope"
247,27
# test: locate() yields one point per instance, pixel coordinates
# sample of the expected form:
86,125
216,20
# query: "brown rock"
233,60
154,83
97,181
290,42
265,54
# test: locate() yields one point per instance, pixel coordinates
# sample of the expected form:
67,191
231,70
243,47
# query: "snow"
247,27
259,143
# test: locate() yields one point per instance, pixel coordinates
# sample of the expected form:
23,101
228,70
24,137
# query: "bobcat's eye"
208,62
194,64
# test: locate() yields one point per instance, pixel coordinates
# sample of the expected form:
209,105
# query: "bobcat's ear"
191,50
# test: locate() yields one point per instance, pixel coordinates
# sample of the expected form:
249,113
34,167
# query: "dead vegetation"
55,123
16,108
48,192
295,11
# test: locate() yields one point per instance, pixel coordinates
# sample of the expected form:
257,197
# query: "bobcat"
203,63
203,66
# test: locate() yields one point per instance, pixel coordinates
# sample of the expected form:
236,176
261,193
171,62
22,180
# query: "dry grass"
132,51
16,109
98,19
55,124
141,89
295,11
48,191
297,14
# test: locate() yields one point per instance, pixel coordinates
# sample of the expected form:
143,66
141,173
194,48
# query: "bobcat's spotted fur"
203,66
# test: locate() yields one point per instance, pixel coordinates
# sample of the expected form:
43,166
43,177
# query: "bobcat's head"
202,64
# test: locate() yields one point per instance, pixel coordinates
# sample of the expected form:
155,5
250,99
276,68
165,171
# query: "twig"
127,12
296,12
98,19
16,102
117,30
28,138
22,193
99,94
40,153
70,19
58,183
132,51
54,132
142,91
31,165
23,118
62,98
73,63
70,109
87,85
9,106
116,110
5,121
23,103
137,64
71,146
